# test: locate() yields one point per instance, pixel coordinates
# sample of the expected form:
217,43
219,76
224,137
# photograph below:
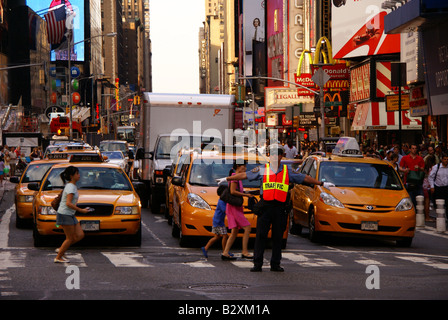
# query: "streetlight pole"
112,34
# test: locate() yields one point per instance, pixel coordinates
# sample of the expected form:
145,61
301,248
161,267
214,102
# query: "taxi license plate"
90,225
369,225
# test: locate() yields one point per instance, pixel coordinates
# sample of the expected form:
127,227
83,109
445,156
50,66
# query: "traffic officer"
275,179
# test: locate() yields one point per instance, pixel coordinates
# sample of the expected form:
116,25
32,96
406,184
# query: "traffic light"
296,121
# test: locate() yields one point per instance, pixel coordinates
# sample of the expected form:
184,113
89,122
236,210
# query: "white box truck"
169,121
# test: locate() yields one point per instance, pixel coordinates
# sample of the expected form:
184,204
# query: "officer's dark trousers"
272,214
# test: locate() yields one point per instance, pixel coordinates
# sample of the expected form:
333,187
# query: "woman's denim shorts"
66,220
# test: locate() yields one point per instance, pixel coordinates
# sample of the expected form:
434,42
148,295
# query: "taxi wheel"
20,223
175,231
313,235
405,242
294,228
38,239
154,203
136,239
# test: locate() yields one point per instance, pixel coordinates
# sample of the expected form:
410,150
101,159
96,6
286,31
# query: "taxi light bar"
348,147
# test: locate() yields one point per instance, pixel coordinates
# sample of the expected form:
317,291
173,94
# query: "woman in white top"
66,213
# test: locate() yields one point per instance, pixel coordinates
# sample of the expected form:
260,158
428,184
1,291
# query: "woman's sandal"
61,260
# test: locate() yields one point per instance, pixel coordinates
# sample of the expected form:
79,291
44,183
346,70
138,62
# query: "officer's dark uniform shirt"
258,172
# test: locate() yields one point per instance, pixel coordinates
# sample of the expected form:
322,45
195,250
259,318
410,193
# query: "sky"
174,30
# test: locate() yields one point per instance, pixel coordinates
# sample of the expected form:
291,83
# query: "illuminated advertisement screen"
358,29
275,36
76,24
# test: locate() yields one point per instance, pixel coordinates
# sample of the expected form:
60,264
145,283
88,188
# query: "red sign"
304,80
338,71
360,83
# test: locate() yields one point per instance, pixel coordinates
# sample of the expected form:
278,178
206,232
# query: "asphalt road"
104,269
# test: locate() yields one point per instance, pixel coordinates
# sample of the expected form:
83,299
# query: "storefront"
375,124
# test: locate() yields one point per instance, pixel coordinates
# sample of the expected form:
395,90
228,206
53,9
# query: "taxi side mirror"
168,171
14,179
35,186
177,181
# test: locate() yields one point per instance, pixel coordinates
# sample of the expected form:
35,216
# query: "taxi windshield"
360,175
205,173
36,172
115,155
97,178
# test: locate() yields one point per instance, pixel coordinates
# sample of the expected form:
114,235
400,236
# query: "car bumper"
391,224
113,225
24,210
199,222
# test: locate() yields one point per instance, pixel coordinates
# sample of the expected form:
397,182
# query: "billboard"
76,23
358,29
275,44
435,44
253,28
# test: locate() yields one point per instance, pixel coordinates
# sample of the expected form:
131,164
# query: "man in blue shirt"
275,199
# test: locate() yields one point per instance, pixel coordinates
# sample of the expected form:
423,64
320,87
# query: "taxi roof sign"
347,146
58,156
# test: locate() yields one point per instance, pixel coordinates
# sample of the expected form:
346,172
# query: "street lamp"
69,48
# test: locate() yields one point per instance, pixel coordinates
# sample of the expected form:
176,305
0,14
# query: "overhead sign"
360,83
277,99
392,102
358,29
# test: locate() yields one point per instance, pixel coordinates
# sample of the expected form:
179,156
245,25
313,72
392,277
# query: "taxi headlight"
404,205
25,198
197,202
47,210
330,200
126,210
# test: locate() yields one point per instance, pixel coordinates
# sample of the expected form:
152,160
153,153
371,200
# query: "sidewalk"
6,202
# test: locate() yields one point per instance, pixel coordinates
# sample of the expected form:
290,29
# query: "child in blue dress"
219,228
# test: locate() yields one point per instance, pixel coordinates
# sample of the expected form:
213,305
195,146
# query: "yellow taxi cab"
104,187
169,172
194,198
368,199
34,172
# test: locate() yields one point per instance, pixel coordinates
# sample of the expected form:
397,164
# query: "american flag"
56,25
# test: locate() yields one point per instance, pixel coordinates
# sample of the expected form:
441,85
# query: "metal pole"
399,108
322,112
70,84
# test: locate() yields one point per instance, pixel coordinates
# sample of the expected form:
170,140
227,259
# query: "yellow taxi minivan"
34,172
368,198
104,187
195,198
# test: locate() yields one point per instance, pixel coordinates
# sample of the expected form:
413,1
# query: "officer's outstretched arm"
238,176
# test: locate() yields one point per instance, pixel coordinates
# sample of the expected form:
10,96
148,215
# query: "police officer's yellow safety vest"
275,186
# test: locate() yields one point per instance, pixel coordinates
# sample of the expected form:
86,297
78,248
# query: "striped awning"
373,116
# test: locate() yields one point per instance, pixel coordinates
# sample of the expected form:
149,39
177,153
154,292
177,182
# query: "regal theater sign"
277,99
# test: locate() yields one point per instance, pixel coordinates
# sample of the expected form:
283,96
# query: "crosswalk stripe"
425,261
18,258
10,259
369,262
126,259
199,264
74,258
309,260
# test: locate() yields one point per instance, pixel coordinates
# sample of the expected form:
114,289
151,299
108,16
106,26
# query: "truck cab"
165,151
